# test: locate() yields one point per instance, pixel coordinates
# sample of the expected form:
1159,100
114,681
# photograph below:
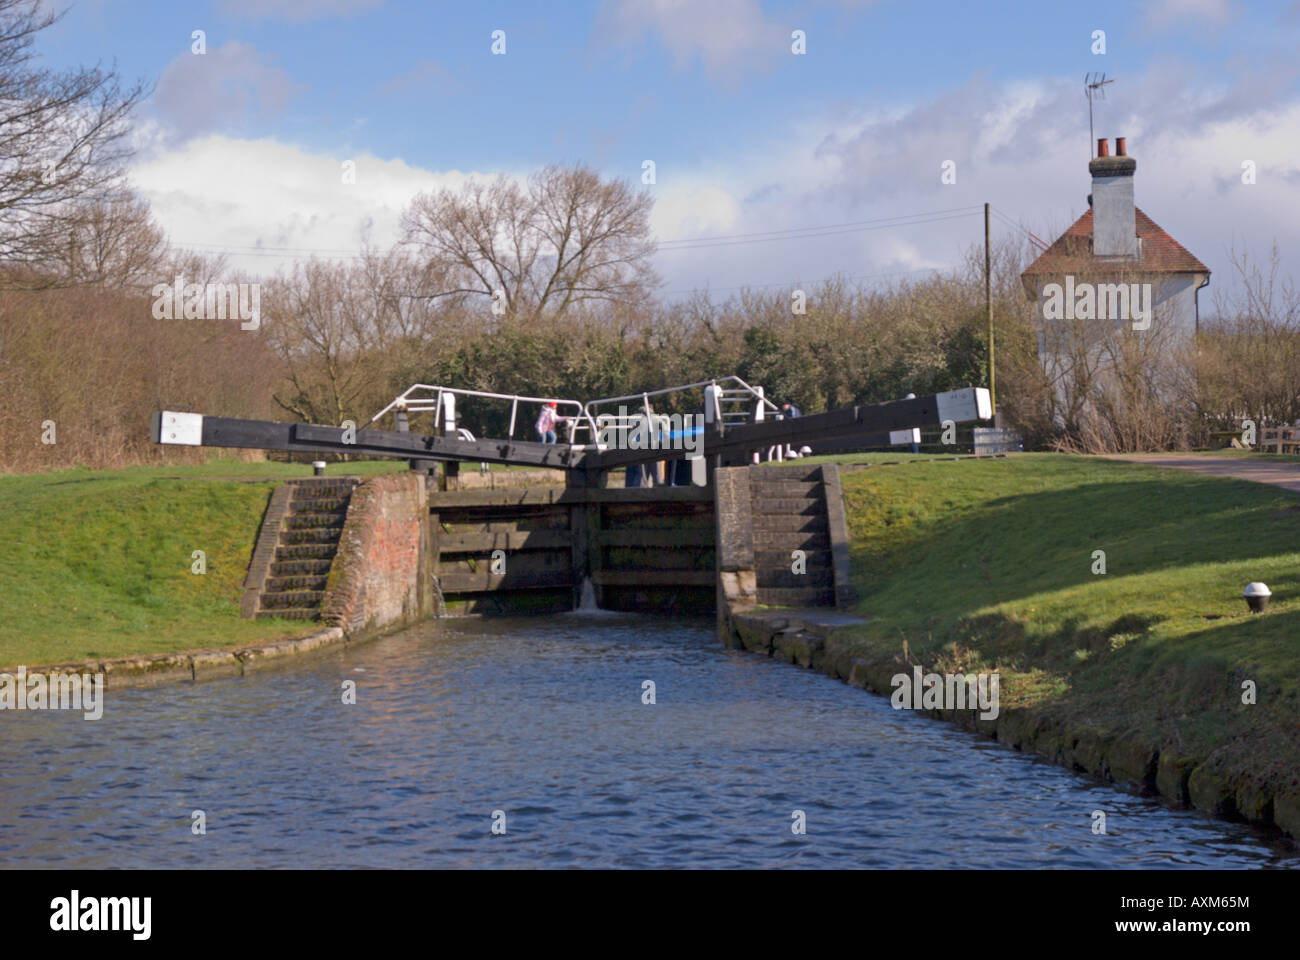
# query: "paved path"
1275,472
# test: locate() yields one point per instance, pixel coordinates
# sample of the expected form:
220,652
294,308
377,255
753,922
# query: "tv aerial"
1094,88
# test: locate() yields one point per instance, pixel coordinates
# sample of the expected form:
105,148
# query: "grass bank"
97,563
1249,455
1135,673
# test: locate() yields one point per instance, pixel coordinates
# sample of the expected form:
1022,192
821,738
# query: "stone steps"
788,512
313,521
312,489
304,613
306,551
797,597
295,575
292,598
301,568
314,504
787,540
764,523
781,559
819,577
317,535
800,473
784,488
787,506
287,584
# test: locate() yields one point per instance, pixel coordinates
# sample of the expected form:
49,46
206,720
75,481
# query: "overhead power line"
795,283
823,233
1007,221
795,232
1003,218
704,242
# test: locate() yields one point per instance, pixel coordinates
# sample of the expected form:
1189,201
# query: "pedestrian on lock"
547,420
788,412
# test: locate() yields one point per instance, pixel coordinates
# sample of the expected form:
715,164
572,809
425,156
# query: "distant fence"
990,440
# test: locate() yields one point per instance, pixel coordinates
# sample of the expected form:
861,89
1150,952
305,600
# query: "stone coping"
820,621
156,669
1121,759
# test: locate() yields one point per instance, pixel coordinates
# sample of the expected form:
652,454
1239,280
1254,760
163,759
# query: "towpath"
1279,473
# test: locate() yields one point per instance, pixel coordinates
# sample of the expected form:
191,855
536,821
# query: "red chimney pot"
1121,148
1103,147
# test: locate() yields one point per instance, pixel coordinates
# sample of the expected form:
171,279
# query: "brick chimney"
1114,225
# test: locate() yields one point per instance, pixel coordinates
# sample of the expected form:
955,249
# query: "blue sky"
240,148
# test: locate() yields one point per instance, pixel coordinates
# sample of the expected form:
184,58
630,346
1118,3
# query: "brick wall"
380,577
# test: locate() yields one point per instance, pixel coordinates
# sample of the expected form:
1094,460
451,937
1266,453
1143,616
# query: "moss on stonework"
1147,670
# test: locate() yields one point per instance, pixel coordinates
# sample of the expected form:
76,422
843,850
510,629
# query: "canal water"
543,719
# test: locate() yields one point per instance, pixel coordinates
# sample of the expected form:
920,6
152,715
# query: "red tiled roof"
1161,253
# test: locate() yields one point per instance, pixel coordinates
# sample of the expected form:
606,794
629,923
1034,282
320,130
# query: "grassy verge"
988,564
1249,455
222,469
903,455
98,563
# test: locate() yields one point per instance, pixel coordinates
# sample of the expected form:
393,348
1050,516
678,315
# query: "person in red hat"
547,420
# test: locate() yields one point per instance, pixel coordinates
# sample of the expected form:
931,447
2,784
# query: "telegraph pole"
988,311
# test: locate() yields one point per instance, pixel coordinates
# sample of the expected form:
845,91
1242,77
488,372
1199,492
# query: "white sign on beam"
185,429
897,437
965,405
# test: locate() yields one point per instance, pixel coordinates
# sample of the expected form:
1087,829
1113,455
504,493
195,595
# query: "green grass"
1249,455
986,564
98,563
902,456
225,469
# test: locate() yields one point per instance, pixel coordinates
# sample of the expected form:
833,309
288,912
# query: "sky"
241,148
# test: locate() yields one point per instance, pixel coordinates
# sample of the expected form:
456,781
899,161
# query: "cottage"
1091,270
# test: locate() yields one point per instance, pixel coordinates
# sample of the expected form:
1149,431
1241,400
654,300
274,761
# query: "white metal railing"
732,390
721,393
612,424
424,397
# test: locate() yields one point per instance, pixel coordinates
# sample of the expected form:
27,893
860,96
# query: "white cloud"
221,193
1023,148
694,208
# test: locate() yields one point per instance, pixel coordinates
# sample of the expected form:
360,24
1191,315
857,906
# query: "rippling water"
542,718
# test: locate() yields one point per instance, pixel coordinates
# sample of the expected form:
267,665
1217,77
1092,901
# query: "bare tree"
567,237
62,141
1248,365
339,329
1117,381
114,243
